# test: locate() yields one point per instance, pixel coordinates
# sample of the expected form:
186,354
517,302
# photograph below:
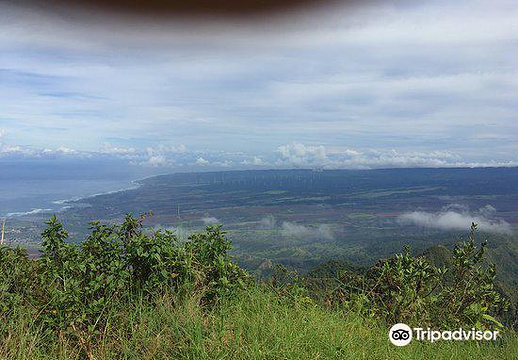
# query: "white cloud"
164,149
117,150
157,161
224,164
65,150
322,231
268,222
7,150
255,161
293,155
27,152
159,156
210,220
300,155
291,229
59,151
456,217
201,161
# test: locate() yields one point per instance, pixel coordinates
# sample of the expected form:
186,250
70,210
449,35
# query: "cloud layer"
397,84
210,220
299,231
457,217
322,231
293,155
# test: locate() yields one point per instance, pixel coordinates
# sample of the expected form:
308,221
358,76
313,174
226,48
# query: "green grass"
255,324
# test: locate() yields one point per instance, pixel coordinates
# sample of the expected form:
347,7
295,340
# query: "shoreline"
134,184
69,203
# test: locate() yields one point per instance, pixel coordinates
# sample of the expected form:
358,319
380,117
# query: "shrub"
469,294
17,279
413,290
70,287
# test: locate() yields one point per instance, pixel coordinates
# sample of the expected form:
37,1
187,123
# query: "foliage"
18,275
413,290
126,292
71,286
469,294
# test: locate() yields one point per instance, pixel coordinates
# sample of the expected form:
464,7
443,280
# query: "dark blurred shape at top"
193,8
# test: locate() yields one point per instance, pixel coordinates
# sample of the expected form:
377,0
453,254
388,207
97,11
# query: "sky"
381,85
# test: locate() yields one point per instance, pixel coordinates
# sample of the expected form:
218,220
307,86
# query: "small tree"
469,295
411,289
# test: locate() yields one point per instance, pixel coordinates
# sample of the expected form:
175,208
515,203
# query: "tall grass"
256,323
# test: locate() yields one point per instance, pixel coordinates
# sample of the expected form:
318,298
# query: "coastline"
135,184
69,203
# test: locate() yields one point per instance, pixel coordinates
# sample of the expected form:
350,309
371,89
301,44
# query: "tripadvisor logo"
401,334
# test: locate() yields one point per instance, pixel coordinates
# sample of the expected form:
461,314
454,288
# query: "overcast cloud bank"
398,84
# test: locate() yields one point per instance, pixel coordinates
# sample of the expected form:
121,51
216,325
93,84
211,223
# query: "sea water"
25,197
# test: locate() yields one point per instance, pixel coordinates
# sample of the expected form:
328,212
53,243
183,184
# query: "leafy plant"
413,290
469,294
71,287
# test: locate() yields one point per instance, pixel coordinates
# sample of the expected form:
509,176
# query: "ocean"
31,187
25,197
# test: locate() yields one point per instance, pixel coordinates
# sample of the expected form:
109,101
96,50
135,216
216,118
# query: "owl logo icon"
400,334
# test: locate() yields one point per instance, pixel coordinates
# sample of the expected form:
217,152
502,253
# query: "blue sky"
429,84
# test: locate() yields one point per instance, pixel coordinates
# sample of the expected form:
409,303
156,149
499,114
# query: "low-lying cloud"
291,229
322,231
268,222
210,220
455,217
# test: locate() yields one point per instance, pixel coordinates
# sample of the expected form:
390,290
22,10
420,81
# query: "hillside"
127,292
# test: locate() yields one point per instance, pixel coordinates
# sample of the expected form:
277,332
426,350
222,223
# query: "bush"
71,286
413,290
18,278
